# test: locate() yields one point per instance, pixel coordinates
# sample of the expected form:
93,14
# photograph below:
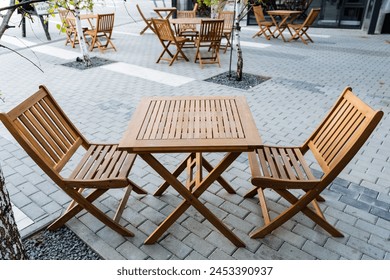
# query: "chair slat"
295,162
271,163
280,167
263,163
287,162
57,118
339,131
59,138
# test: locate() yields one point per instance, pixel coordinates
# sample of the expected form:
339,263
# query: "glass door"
341,13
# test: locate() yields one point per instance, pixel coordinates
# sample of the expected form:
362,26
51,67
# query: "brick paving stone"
234,209
372,229
220,255
319,252
221,242
156,252
172,244
131,252
195,256
200,245
384,214
20,199
33,211
195,227
310,234
343,250
291,252
368,249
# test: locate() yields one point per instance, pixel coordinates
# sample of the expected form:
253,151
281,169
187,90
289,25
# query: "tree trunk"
6,18
11,246
239,9
83,45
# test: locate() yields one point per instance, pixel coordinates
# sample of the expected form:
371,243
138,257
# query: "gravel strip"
229,79
61,244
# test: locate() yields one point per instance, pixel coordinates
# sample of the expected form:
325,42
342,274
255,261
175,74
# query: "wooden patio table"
282,24
194,125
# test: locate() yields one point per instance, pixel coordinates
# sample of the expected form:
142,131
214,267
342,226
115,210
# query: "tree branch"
21,4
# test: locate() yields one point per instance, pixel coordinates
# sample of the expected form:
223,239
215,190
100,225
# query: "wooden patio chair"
333,144
70,27
300,30
148,21
47,135
228,17
210,36
187,30
264,25
167,38
102,32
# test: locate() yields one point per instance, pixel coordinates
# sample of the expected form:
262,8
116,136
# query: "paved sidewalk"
304,83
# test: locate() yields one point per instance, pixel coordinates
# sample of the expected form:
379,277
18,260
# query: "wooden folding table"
192,125
282,24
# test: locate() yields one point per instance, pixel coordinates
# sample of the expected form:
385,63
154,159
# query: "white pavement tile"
148,74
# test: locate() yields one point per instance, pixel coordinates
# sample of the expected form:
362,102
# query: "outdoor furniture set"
287,18
192,126
190,31
97,35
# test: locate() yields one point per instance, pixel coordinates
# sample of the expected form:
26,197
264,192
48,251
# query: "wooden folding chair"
264,25
69,25
167,38
301,29
210,36
334,143
187,30
50,139
148,21
228,17
102,32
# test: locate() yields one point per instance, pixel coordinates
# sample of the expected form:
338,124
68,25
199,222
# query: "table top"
191,124
283,12
194,20
165,9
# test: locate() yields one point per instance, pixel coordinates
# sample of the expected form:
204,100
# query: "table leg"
280,27
191,198
182,166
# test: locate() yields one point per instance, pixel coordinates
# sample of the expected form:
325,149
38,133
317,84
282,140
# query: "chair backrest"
211,30
65,18
141,13
105,22
195,9
342,133
228,17
259,14
311,17
185,14
44,132
163,29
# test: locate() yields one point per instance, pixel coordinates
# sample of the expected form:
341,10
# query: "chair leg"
297,206
122,204
86,203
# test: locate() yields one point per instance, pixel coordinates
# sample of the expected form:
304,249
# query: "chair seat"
278,164
103,162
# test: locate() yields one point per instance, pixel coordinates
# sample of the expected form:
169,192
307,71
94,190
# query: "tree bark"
6,18
11,246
